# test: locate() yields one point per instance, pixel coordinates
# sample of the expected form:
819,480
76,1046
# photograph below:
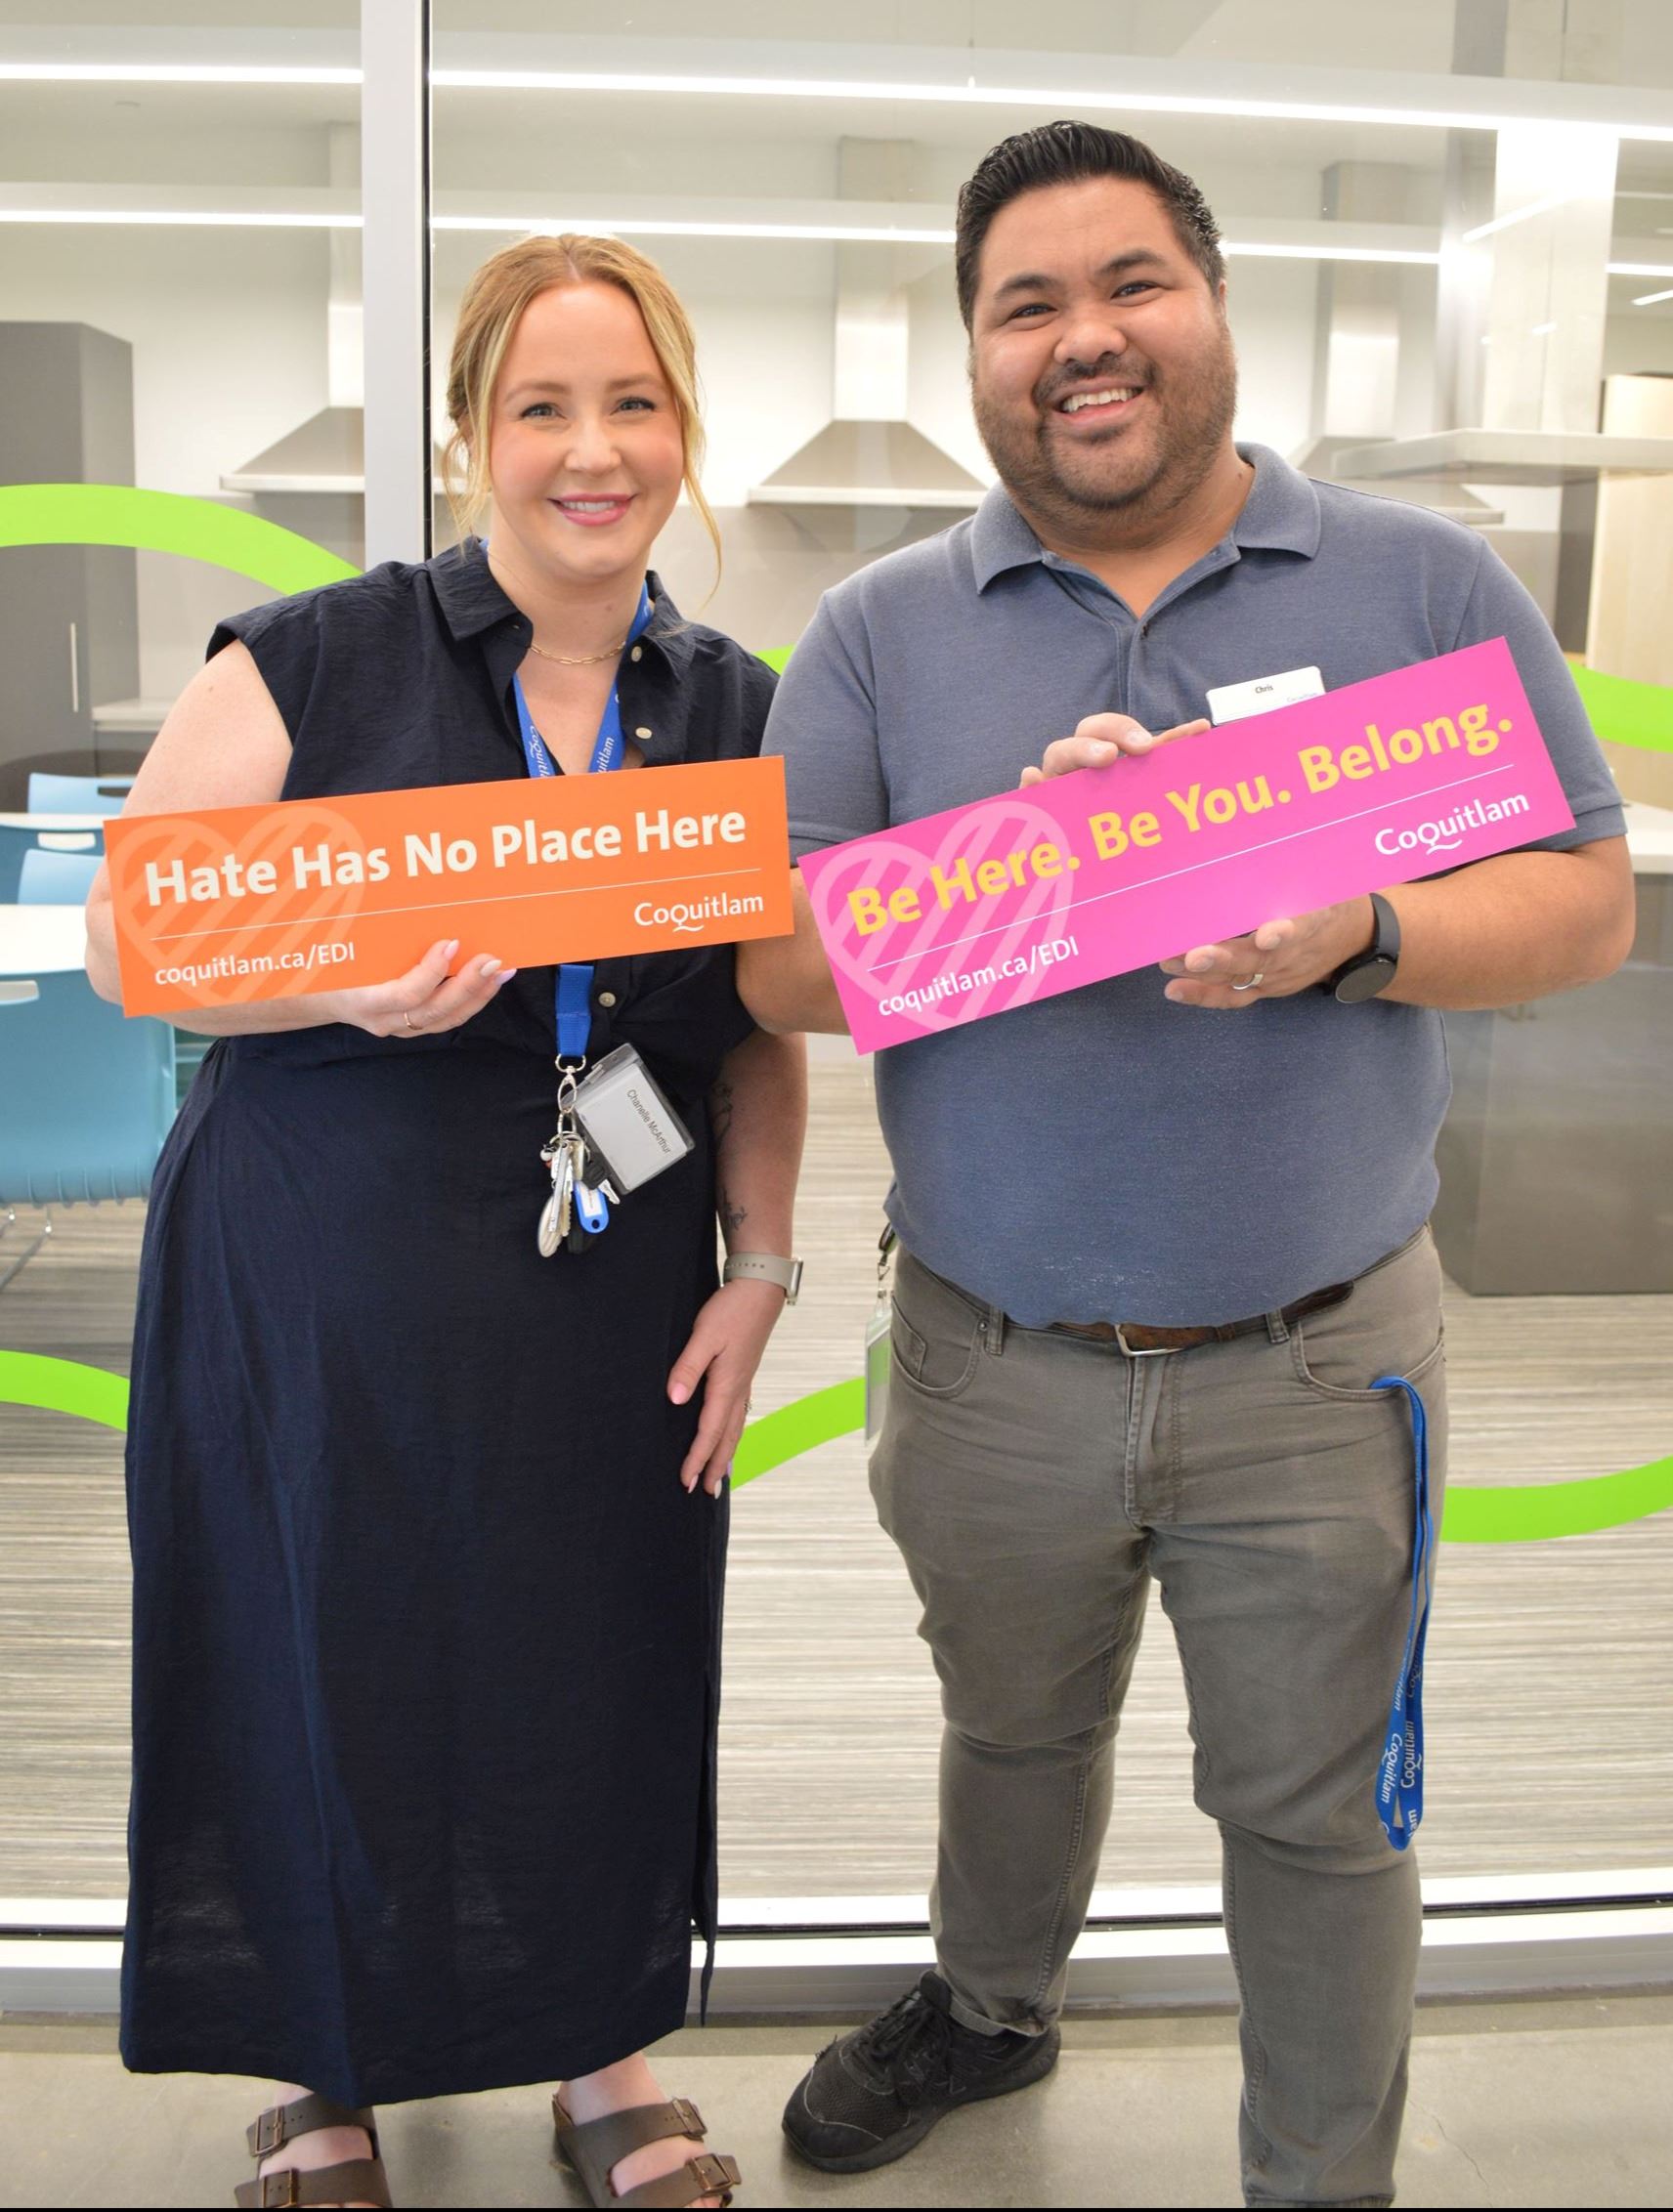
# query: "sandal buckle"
266,2134
283,2188
689,2117
715,2174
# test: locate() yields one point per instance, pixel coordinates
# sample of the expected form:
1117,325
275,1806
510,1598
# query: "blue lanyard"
573,995
1400,1774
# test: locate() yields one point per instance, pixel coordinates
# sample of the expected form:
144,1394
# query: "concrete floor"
1532,2103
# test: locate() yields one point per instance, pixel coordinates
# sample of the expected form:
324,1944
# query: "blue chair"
55,880
16,842
79,794
89,1096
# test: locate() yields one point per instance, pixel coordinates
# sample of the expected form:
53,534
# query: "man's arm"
786,981
1519,926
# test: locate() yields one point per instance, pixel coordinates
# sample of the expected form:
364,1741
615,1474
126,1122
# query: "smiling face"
1103,378
587,455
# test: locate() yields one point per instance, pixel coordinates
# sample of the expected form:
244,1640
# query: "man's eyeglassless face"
1102,371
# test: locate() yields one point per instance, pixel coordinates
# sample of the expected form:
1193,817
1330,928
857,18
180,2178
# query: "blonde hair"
489,314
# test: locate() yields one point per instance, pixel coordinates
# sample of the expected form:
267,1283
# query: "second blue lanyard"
1399,1773
573,995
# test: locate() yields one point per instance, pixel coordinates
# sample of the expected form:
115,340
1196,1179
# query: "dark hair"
1067,153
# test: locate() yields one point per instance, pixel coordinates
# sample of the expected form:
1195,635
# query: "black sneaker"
873,2095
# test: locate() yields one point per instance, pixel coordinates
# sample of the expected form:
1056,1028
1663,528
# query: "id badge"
876,1369
631,1131
878,1354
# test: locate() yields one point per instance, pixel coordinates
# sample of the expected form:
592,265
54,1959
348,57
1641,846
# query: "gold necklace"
578,660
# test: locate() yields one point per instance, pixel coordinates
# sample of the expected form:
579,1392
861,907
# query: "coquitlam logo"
1447,835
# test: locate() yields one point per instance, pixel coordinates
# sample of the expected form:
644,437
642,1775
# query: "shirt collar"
472,601
1280,515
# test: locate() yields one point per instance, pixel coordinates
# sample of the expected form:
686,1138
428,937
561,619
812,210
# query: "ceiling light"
1411,254
1649,299
674,227
972,95
1638,269
1071,100
182,219
168,72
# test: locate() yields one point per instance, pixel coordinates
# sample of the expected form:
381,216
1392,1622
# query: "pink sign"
988,906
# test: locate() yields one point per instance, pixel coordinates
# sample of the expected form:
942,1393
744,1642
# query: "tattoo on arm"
732,1216
722,1101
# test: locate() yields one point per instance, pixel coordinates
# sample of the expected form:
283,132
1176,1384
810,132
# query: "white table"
41,940
60,833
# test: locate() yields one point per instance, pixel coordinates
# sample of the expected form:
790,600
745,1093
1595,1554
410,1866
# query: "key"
555,1214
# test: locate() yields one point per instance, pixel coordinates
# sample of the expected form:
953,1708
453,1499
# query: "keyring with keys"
565,1154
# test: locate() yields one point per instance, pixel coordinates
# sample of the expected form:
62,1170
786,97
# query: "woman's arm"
759,1112
225,744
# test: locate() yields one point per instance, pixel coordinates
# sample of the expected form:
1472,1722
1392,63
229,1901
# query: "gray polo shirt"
1106,1155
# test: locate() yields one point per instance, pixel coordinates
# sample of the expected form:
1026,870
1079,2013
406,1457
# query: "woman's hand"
424,1000
728,1339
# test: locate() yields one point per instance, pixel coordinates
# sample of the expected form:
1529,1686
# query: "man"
1160,1236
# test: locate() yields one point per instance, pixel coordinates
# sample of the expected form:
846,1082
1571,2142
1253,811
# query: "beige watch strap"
764,1267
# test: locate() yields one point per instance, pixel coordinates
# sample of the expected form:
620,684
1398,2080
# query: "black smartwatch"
1375,968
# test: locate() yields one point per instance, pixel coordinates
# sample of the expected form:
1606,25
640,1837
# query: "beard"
1136,474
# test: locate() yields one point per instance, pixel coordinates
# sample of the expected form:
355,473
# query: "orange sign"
311,894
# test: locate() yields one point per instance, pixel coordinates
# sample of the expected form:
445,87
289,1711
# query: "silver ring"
1259,976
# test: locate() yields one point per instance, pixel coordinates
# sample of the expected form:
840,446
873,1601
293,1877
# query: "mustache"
1108,369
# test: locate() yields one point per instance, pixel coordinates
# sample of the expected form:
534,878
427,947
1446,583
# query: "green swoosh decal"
166,522
64,1385
817,1418
1531,1513
1525,1514
1626,712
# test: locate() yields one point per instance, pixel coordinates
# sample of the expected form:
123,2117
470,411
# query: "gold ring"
415,1027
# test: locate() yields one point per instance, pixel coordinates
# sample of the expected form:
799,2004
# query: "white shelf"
864,495
131,717
1506,456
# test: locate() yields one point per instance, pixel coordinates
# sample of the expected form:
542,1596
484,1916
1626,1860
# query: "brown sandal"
352,2178
593,2146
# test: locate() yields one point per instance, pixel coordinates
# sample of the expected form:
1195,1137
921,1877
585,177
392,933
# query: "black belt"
1139,1338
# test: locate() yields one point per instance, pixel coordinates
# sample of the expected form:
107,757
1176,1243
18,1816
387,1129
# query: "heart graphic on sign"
953,955
203,928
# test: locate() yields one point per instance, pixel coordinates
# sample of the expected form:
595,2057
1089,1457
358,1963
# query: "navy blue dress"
426,1632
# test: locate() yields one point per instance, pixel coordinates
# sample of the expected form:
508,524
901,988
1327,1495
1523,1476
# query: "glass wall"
1405,293
178,346
1450,238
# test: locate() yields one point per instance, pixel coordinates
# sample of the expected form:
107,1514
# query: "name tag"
1230,702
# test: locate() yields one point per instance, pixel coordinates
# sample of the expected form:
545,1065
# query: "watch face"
1365,980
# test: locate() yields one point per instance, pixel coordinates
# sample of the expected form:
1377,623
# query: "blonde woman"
429,1527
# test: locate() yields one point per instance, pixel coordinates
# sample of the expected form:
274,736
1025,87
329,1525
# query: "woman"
428,1528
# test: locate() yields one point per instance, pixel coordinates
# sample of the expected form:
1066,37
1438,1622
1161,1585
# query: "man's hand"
1273,961
1099,740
